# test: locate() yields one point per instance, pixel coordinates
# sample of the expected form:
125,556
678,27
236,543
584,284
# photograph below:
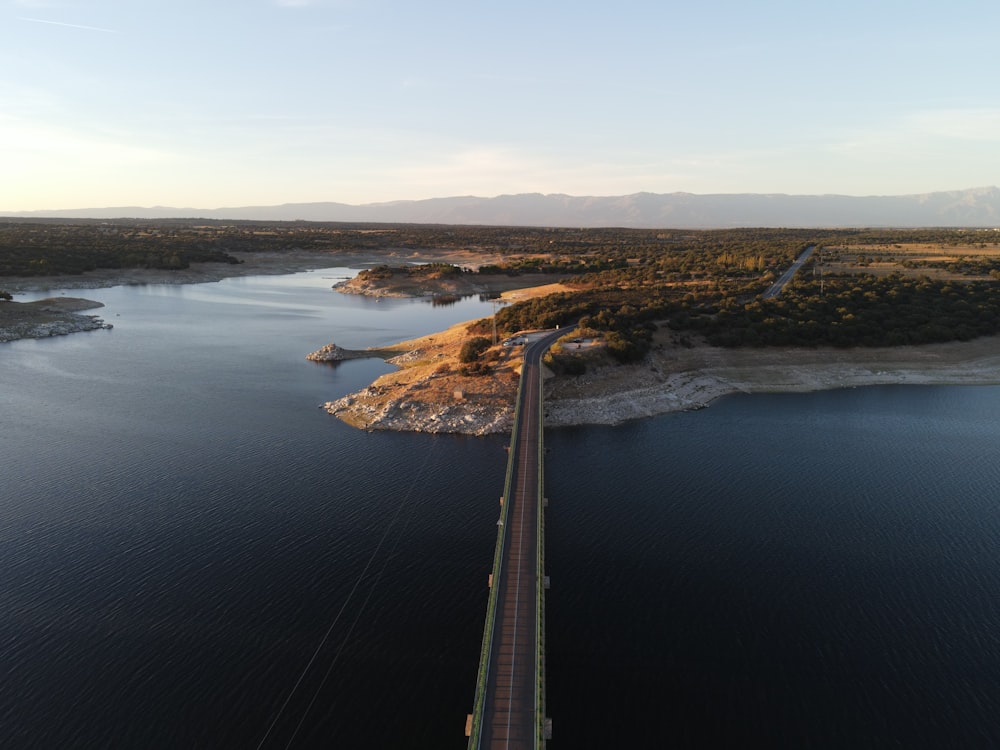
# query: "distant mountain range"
976,207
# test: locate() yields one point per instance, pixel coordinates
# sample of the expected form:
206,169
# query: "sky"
220,103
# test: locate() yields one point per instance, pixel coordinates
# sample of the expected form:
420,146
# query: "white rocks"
408,415
328,353
403,359
34,330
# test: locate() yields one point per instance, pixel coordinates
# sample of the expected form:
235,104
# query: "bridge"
509,709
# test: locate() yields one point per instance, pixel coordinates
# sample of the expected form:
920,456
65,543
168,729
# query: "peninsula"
55,316
429,394
668,319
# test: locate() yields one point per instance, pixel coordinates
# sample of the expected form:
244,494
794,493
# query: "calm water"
192,554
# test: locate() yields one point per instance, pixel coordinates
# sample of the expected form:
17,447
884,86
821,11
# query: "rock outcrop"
373,408
48,317
329,353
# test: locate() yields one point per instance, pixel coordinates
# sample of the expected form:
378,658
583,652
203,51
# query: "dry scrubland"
428,391
908,259
679,373
427,394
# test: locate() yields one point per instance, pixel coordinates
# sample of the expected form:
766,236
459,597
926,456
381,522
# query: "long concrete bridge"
509,710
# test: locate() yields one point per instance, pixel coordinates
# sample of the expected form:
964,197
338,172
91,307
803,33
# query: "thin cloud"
960,124
29,143
67,25
933,129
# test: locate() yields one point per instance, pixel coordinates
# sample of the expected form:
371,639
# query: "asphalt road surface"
777,286
510,714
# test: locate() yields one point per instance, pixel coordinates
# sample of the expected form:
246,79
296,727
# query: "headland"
430,393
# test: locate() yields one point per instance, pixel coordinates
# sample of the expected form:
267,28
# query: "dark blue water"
180,524
192,554
796,571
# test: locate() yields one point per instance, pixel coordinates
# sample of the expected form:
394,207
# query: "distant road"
778,285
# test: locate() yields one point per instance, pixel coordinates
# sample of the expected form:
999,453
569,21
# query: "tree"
472,348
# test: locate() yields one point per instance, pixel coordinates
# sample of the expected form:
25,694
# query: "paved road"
510,715
777,286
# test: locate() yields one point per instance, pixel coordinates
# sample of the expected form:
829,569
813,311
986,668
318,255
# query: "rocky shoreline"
428,396
671,379
333,353
371,410
48,317
14,327
680,380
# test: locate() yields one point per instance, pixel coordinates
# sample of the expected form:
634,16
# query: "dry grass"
429,372
885,258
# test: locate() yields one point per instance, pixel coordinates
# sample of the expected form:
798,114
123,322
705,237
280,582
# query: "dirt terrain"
428,393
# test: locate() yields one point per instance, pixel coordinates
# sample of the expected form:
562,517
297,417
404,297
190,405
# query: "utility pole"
820,270
495,301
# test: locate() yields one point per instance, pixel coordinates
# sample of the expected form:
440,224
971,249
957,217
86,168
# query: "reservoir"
193,554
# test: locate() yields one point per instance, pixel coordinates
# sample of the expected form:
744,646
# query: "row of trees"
859,311
54,249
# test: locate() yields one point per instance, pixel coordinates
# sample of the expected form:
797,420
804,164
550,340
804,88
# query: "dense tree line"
420,271
857,311
603,254
713,288
52,249
623,281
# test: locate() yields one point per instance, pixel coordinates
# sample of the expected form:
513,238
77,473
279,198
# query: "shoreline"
671,379
252,264
54,316
674,380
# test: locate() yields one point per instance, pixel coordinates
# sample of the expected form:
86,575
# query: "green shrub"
472,348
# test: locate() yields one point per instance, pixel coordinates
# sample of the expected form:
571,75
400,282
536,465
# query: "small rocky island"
333,353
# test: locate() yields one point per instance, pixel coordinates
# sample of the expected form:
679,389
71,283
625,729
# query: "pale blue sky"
211,103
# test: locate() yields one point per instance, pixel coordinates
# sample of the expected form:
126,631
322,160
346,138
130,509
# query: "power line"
326,636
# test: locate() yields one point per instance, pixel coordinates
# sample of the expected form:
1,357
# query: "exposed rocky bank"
55,316
671,379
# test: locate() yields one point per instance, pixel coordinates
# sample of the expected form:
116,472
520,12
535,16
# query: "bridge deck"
509,717
513,691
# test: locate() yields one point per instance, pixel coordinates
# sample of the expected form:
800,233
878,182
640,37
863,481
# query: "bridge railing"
540,581
484,656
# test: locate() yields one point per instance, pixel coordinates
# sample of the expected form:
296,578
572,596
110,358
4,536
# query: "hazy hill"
977,207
